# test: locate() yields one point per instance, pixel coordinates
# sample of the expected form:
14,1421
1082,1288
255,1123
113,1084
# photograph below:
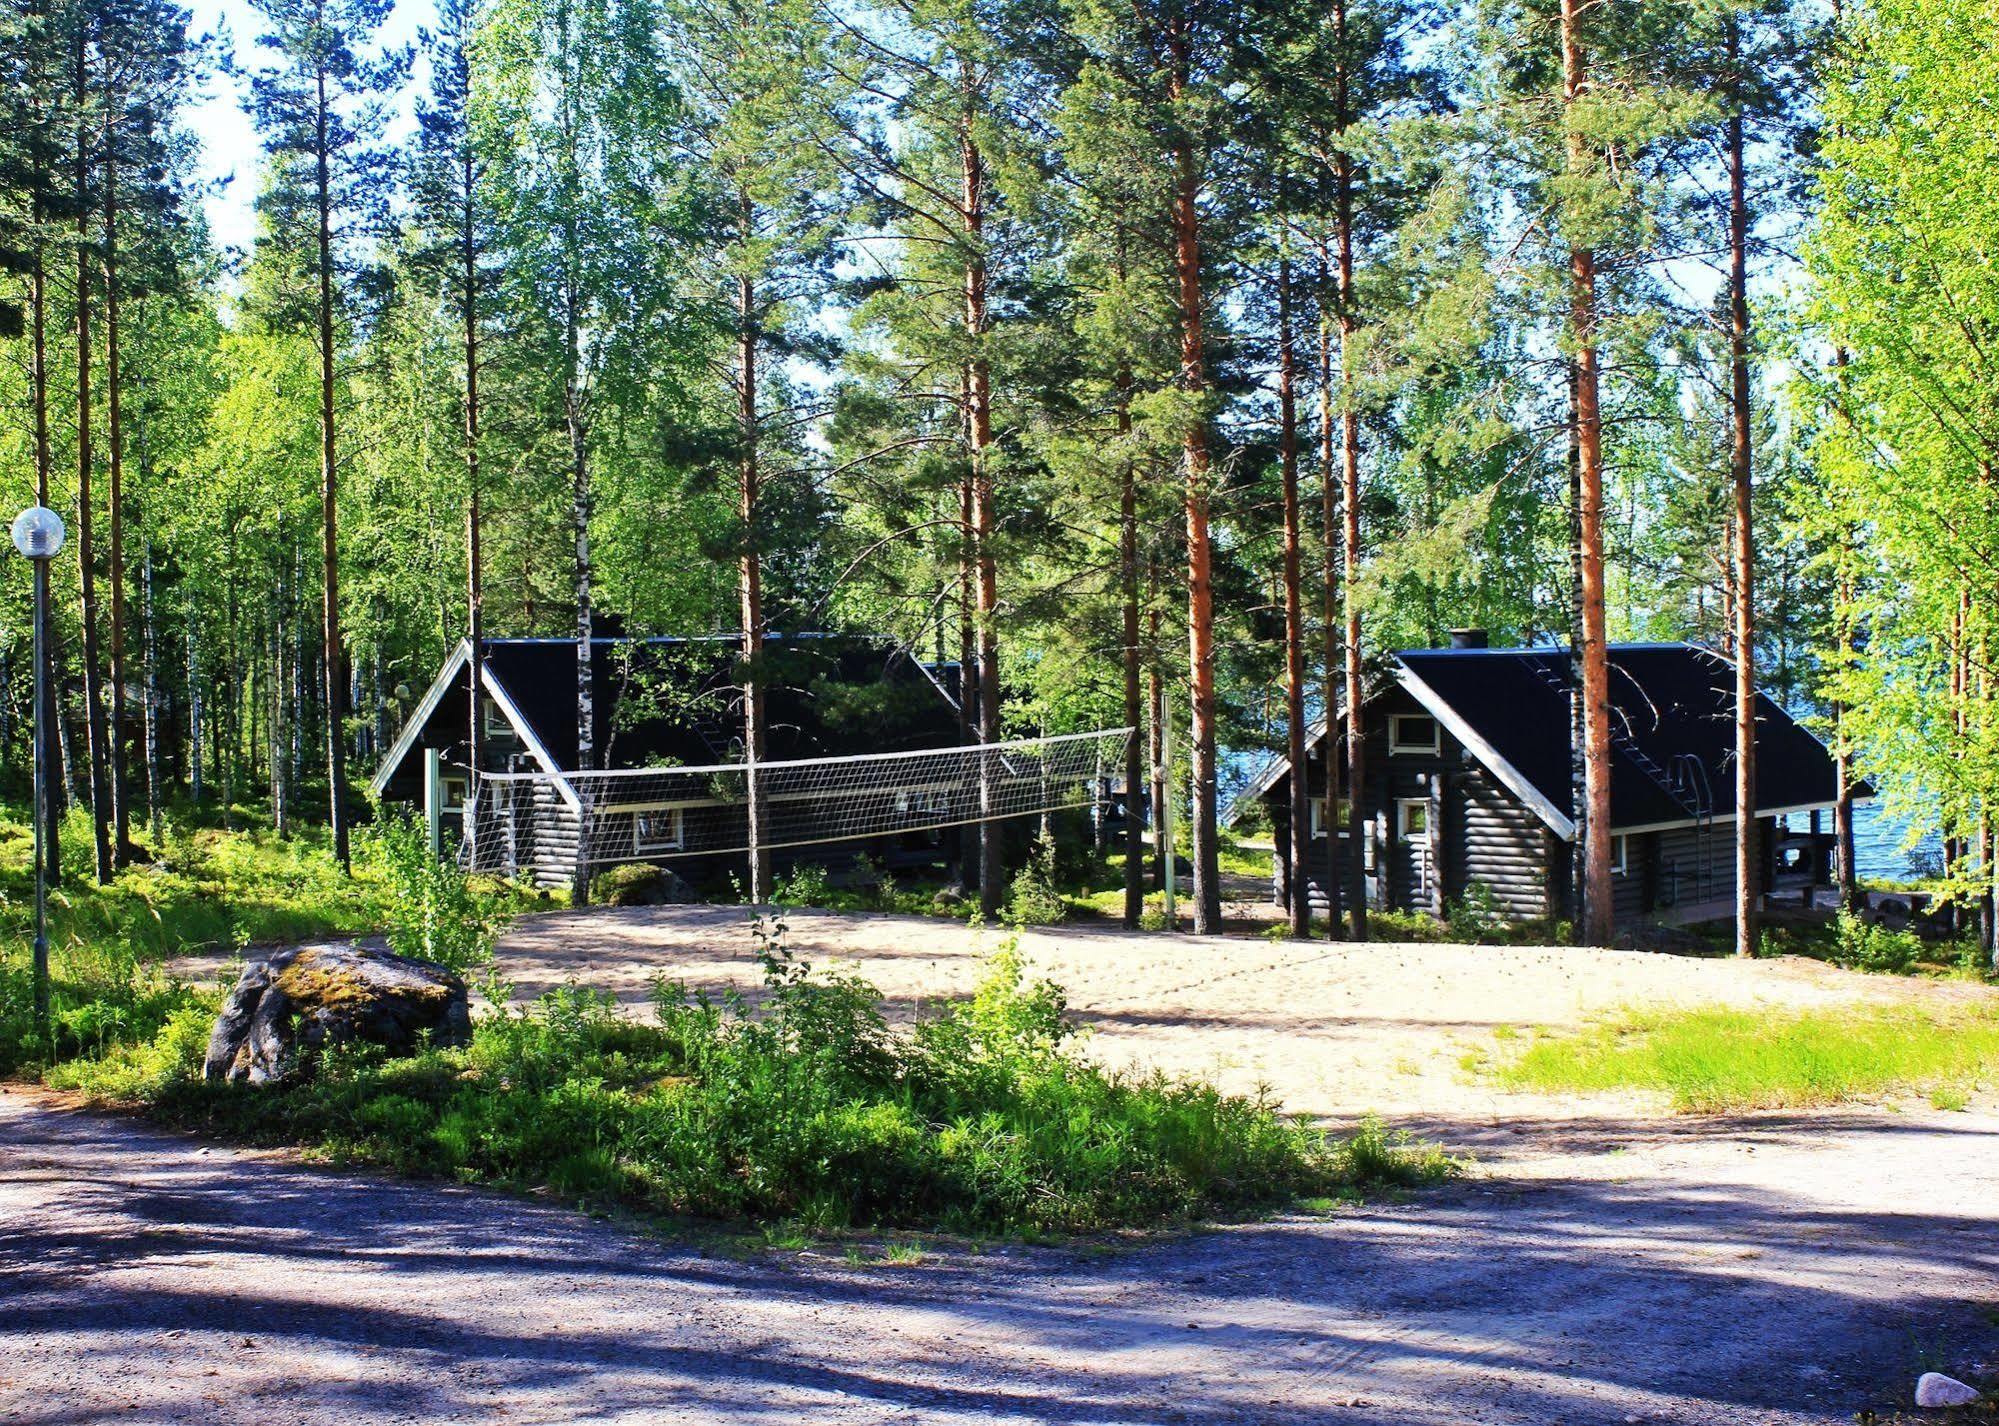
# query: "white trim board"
413,727
1558,821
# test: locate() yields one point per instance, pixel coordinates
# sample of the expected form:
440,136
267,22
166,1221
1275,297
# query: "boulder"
1934,1389
640,884
287,1007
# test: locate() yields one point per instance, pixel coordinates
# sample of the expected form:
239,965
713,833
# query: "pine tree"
321,106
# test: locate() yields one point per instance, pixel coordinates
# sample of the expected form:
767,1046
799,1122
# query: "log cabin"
1467,773
664,702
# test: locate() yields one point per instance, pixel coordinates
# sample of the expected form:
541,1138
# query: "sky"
228,142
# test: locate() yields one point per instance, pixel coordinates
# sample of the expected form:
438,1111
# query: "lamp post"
38,535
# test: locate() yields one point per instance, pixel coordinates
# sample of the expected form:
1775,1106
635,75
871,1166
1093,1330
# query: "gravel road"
1605,1266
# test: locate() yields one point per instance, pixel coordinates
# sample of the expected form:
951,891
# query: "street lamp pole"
38,535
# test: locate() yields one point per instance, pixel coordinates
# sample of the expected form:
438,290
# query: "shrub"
1474,919
1862,946
1032,899
806,884
801,1107
434,913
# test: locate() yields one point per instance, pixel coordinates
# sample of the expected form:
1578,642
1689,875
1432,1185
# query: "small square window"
453,791
493,720
1412,819
1413,735
657,830
1342,811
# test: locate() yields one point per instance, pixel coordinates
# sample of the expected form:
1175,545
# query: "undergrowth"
1714,1061
801,1107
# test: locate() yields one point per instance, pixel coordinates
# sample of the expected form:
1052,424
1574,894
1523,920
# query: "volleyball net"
549,823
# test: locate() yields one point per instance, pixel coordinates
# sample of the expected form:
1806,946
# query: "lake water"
1877,845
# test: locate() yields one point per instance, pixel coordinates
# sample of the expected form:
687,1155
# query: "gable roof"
1672,732
679,700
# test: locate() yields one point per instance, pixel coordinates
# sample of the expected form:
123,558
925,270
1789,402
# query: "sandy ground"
1331,1030
1604,1264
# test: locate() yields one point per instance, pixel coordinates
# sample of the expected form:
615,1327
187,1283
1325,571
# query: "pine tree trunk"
86,554
121,811
1134,768
1597,909
979,428
968,670
1748,858
1200,550
1349,320
1578,760
1294,612
329,475
1162,775
750,565
1331,672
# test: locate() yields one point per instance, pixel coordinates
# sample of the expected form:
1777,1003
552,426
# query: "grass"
1716,1061
803,1113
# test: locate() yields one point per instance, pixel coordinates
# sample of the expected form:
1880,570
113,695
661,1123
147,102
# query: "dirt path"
1772,1273
1604,1265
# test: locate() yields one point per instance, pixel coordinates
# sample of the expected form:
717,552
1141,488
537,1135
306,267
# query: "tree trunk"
150,682
1294,612
1162,775
979,429
38,356
1134,767
1329,614
968,669
475,586
1578,759
121,811
1200,551
1748,859
1356,744
86,554
194,709
750,566
1597,910
329,474
579,514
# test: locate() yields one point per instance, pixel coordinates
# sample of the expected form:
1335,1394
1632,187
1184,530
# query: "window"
452,791
1412,819
1342,810
1413,734
656,830
1619,847
494,720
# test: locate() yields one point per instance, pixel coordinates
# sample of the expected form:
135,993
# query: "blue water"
1877,846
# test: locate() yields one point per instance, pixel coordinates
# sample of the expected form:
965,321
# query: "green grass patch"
1713,1061
804,1112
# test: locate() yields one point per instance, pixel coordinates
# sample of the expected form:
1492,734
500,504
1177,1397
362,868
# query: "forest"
1161,363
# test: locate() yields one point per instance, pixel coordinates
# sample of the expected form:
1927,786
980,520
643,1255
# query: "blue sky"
228,142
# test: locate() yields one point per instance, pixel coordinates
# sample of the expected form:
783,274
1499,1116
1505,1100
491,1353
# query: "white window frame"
1398,746
1318,816
453,790
645,846
1620,853
1402,832
493,719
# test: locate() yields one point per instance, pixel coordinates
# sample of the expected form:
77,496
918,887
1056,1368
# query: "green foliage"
1862,946
1474,918
799,1108
806,884
1033,898
1715,1061
433,912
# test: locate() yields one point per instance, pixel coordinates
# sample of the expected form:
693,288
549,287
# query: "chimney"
1469,639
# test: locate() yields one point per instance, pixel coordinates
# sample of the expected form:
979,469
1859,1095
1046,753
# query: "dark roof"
679,701
654,699
1672,720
